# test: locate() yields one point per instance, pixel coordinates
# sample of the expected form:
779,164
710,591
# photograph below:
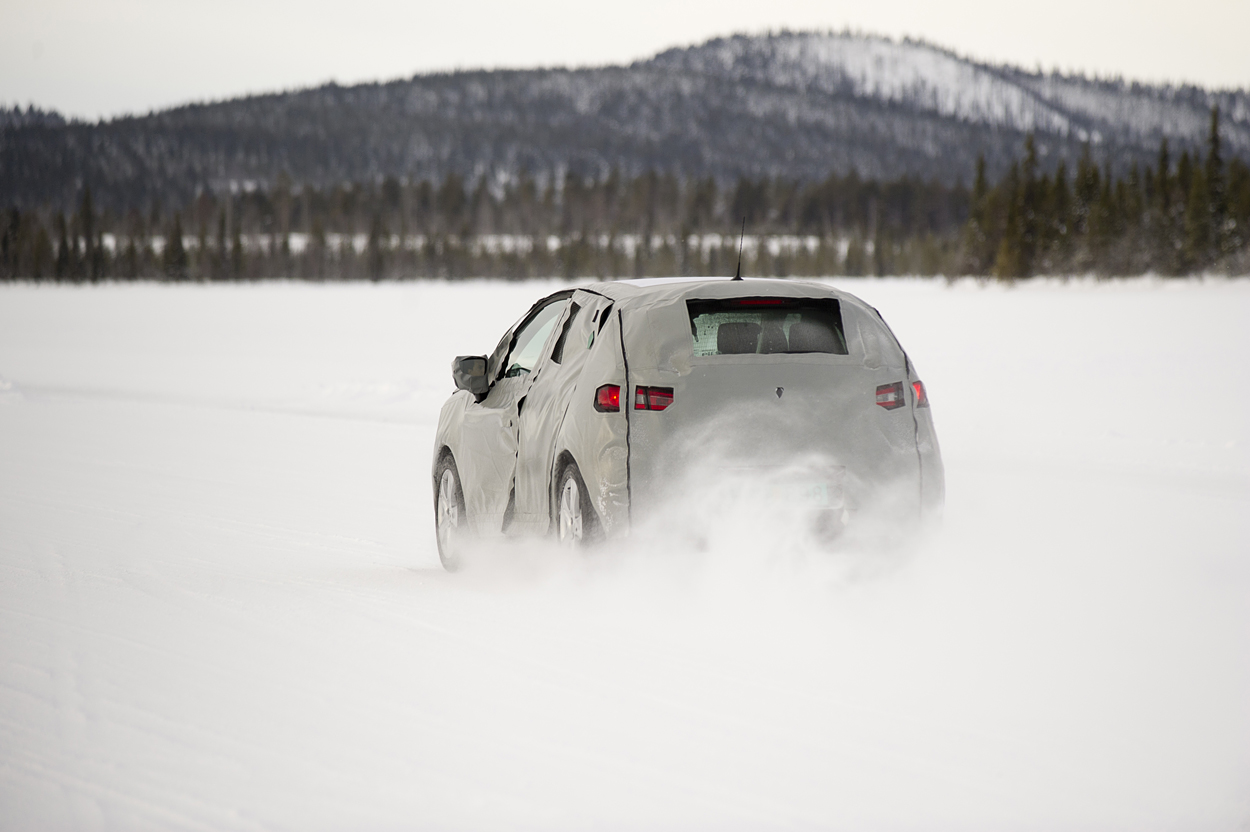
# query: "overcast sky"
94,58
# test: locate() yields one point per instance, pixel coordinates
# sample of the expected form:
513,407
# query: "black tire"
576,524
449,507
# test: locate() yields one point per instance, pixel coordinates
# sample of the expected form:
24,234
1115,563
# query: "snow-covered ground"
220,605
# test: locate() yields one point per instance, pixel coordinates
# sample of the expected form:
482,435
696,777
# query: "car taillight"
608,398
922,395
890,396
652,398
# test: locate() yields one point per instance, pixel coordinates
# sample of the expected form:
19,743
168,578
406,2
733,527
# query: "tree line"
1170,218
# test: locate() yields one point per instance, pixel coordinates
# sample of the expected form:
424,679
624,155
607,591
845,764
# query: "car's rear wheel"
450,520
576,523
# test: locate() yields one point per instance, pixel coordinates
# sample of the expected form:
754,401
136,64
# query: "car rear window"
764,326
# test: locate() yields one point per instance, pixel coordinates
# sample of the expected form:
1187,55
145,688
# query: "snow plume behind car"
718,519
750,471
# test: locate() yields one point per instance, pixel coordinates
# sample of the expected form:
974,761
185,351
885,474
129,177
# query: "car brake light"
652,398
890,396
922,395
608,398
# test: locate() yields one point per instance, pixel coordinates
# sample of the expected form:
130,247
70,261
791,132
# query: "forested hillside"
1175,216
793,106
845,154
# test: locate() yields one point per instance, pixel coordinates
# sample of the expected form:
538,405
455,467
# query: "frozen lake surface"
221,606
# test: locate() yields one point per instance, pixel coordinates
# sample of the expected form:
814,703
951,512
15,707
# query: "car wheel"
450,519
576,523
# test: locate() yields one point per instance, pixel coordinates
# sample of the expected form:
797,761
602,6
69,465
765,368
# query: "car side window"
557,352
531,338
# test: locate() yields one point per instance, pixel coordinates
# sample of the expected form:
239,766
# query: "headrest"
806,336
737,337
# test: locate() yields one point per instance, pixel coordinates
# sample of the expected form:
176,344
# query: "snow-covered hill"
794,105
910,73
928,78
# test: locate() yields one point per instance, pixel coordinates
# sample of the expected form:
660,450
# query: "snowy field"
221,607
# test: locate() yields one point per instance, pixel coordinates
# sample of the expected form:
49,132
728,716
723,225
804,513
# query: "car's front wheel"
450,521
576,523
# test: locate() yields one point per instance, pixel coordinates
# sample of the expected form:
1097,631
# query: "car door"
488,452
547,402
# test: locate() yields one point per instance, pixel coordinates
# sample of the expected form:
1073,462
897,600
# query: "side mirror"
469,373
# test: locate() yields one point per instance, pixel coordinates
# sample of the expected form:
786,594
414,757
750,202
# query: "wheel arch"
440,456
563,459
442,453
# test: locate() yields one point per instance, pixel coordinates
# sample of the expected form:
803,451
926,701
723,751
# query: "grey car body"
540,406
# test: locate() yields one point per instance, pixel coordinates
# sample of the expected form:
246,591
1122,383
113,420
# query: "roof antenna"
738,274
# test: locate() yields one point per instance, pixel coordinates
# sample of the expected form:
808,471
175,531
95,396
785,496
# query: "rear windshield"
766,325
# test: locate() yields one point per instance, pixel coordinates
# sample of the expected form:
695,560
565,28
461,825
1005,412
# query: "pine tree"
452,203
1184,179
701,212
1086,187
221,257
979,245
63,253
1103,224
882,252
10,253
1217,205
1164,180
1059,216
315,255
375,254
174,257
93,254
237,255
1163,220
42,255
130,260
1030,196
1007,262
751,200
1135,256
1088,183
1239,206
1195,254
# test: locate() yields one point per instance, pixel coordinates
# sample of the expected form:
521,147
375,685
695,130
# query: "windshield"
766,326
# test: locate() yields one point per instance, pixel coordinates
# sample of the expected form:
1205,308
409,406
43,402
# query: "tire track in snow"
37,391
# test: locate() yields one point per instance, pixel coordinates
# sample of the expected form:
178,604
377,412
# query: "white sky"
92,58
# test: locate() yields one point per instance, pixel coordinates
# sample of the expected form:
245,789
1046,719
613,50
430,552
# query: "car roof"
658,290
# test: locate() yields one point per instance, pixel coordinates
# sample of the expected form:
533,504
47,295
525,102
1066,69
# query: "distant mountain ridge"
936,80
795,105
